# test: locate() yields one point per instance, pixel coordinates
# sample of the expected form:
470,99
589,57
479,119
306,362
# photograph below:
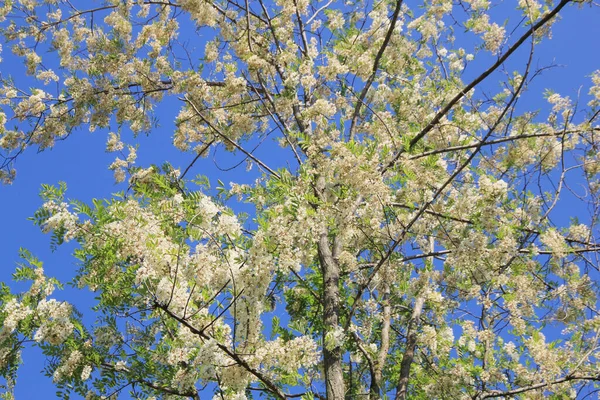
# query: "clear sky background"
82,163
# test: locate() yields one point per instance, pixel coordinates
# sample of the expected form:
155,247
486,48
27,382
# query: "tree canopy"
399,230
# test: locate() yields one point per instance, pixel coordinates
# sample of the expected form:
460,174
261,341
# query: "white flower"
16,312
579,232
114,142
56,326
86,372
555,242
47,76
334,338
120,365
321,107
66,369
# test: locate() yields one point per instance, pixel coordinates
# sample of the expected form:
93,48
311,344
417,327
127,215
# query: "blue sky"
82,163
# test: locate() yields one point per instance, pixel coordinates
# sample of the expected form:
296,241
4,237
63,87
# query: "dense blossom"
405,235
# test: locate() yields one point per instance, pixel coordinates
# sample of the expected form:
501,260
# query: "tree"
402,241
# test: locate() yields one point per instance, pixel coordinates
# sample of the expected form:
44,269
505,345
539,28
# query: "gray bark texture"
332,358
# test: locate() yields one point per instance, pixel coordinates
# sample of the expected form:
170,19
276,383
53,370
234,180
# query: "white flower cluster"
595,90
86,372
555,242
334,338
56,324
114,142
47,76
579,232
494,37
120,24
119,166
320,108
560,105
121,365
33,105
68,367
200,11
290,356
495,191
335,20
61,218
15,313
546,358
143,175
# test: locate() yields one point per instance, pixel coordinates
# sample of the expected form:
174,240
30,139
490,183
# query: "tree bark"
409,352
332,358
376,382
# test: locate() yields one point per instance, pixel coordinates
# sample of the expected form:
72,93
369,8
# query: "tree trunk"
409,352
332,358
376,382
411,339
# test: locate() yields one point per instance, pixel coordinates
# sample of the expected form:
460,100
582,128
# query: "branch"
396,242
498,393
385,340
378,57
227,139
200,153
409,352
496,141
234,356
163,389
589,246
476,81
373,387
